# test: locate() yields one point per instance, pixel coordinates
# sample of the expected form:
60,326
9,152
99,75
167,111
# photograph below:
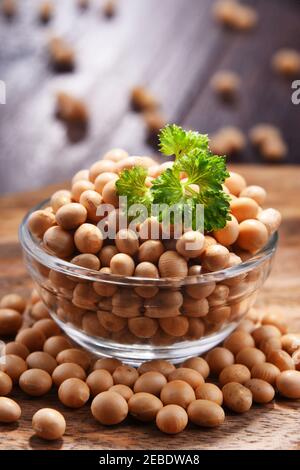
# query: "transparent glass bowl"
136,319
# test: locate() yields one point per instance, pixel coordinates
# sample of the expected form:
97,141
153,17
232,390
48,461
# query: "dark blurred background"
173,47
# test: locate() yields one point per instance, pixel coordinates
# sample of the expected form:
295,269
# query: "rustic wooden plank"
264,96
269,427
174,47
113,56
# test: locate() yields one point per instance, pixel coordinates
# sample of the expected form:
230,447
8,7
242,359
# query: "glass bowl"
136,319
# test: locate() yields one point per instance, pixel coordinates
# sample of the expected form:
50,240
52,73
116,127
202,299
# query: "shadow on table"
36,443
6,428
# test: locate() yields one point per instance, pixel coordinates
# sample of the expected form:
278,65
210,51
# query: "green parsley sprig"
173,140
132,184
204,175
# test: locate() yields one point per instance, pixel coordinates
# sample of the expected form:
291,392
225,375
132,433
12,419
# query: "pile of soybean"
69,229
258,360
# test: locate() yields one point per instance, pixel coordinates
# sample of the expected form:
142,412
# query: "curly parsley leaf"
173,140
204,175
132,184
216,209
203,169
167,188
170,189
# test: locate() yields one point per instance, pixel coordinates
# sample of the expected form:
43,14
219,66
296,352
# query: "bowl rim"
31,247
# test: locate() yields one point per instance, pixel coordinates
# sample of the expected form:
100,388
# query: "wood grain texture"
173,47
274,426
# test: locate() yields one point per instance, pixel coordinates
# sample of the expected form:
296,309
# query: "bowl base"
135,354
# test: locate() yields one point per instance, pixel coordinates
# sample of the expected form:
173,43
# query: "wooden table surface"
275,426
172,46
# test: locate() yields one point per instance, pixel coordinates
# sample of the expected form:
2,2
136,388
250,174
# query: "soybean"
125,375
250,357
206,413
239,340
70,216
99,381
150,382
199,364
265,371
10,411
109,408
190,376
48,424
14,302
6,384
262,392
73,393
234,373
159,365
171,419
17,349
10,321
108,363
177,392
88,239
237,397
288,384
41,360
77,356
219,358
281,359
35,382
66,371
144,406
123,390
14,366
55,344
211,392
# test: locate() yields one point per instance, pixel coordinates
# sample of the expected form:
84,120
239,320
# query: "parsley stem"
190,191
